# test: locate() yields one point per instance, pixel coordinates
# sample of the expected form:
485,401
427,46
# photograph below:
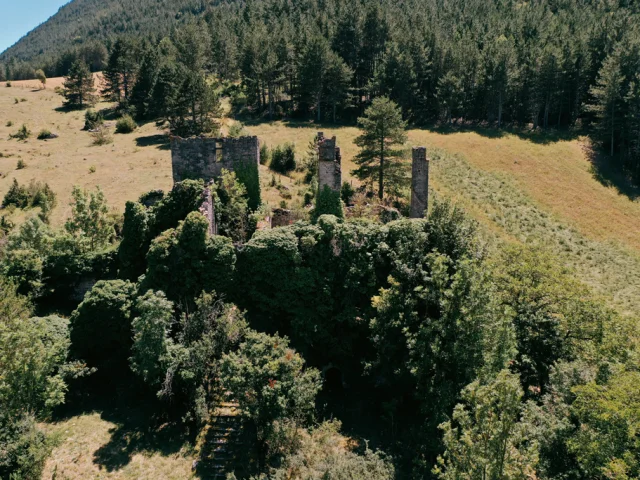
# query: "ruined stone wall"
205,158
419,182
208,210
329,163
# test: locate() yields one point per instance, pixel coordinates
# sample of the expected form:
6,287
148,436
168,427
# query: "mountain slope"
81,21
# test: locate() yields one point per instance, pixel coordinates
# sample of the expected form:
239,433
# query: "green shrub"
126,124
237,130
265,154
101,326
92,120
328,202
347,192
16,195
36,194
92,169
9,123
44,134
8,84
21,165
283,158
22,134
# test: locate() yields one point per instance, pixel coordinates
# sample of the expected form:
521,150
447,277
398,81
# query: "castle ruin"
419,182
205,158
329,163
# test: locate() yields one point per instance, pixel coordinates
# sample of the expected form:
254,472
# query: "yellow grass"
86,450
123,169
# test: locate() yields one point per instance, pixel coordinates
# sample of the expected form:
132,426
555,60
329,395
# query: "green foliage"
151,342
24,448
21,165
79,91
249,175
378,161
321,454
44,134
347,192
92,119
232,210
185,261
135,241
184,198
193,372
484,438
101,327
328,202
265,154
237,130
283,158
22,134
268,379
36,194
126,124
606,441
90,224
556,318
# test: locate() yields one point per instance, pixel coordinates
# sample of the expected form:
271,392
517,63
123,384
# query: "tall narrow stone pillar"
419,182
329,159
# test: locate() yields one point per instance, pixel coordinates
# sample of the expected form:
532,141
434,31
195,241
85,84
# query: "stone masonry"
208,210
329,163
205,158
419,182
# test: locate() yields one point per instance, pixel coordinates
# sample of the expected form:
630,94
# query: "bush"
347,192
21,165
101,136
36,194
45,134
101,326
22,134
9,123
126,124
237,130
265,154
283,158
328,202
24,448
92,120
8,84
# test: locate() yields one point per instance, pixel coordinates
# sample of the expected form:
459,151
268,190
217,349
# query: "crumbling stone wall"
329,163
205,158
419,182
208,210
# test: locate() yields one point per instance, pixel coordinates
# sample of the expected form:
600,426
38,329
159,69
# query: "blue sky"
19,17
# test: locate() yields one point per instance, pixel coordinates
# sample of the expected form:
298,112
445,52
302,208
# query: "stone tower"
419,182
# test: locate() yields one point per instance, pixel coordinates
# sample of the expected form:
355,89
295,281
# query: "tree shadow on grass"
160,141
538,136
610,173
138,431
141,424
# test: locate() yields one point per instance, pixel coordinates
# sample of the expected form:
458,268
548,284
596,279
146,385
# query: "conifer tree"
607,93
383,128
142,93
79,90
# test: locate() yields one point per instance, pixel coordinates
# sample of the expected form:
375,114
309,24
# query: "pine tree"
383,128
79,90
120,73
142,93
607,93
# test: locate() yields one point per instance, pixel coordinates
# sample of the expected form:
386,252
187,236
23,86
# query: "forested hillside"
82,22
548,64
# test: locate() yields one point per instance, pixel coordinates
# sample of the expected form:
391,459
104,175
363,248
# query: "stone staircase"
223,446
